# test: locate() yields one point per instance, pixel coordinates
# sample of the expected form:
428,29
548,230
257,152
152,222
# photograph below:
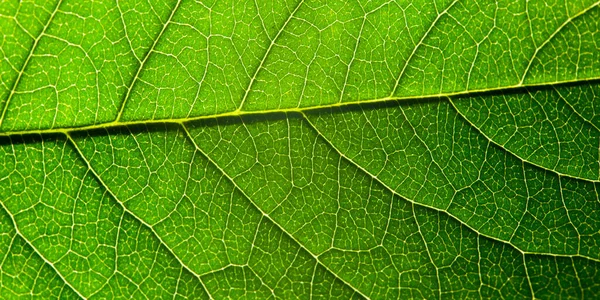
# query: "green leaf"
299,149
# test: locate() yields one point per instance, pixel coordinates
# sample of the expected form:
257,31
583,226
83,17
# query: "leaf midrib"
239,112
316,109
526,88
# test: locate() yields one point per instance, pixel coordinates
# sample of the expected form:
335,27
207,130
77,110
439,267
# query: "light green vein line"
528,277
176,121
425,35
49,263
525,183
315,128
552,35
121,16
437,271
9,248
93,171
143,63
480,131
307,109
116,253
581,289
358,38
479,265
264,214
562,198
583,119
262,62
26,63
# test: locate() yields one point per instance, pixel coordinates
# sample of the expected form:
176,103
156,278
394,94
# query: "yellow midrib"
239,113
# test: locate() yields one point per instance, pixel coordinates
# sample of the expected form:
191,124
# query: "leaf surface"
299,149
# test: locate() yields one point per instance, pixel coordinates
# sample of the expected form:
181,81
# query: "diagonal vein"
574,110
489,139
393,191
265,215
425,35
143,63
262,62
101,182
46,261
568,21
26,63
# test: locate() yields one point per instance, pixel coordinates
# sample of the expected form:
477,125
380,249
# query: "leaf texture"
300,149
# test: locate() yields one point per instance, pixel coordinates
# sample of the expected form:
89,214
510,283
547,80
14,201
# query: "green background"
300,149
